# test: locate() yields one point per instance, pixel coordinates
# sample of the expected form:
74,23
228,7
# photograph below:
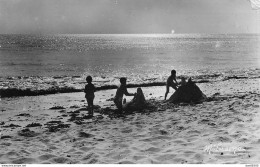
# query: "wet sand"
224,129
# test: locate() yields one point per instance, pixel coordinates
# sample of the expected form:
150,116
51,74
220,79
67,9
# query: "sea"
59,63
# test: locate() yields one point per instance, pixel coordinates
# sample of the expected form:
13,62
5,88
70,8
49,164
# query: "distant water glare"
68,59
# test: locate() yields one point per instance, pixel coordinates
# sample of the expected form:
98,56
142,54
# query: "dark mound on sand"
54,126
56,108
23,115
137,103
11,126
86,135
33,125
5,137
187,93
27,133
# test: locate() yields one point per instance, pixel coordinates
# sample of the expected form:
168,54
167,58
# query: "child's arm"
175,80
94,88
85,89
128,94
177,83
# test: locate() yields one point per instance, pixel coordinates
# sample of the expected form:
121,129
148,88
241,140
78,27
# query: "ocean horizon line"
130,34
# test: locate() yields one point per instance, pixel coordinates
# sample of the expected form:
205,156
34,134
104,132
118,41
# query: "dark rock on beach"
62,111
27,133
74,106
74,112
33,125
81,109
54,126
11,126
56,108
78,122
23,115
86,135
187,93
6,137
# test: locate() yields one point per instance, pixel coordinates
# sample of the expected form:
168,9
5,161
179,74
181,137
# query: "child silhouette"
89,94
171,82
120,93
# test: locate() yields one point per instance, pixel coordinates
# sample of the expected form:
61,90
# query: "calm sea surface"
42,61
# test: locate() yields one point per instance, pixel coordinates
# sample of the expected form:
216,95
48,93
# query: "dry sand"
209,132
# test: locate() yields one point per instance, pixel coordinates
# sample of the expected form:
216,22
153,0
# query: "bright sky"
128,16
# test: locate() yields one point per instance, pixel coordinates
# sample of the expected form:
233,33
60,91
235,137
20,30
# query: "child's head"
173,72
183,79
123,80
89,79
139,91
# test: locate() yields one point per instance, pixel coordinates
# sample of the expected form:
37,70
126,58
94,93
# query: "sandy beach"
55,128
206,51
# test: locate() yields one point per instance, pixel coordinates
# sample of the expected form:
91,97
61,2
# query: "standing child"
120,93
171,82
89,94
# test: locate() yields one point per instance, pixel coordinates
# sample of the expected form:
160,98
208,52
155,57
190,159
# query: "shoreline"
55,88
172,134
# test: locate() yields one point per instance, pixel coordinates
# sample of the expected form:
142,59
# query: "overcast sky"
127,16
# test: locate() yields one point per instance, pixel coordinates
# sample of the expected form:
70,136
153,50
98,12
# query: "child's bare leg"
90,106
91,110
166,93
119,105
